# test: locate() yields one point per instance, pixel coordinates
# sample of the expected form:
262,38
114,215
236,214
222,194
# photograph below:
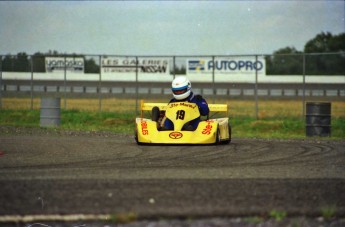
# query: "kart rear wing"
147,106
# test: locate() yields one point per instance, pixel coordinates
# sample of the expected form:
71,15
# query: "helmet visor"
179,91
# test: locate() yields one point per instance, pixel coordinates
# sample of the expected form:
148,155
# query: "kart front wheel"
136,137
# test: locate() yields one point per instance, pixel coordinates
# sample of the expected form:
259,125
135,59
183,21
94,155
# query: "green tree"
91,66
337,44
179,70
38,62
53,53
16,63
285,61
319,44
22,63
319,60
8,63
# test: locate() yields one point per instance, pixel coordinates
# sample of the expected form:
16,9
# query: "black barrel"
318,119
50,112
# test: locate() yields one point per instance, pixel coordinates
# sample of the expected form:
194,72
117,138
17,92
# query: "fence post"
32,84
303,99
99,86
256,90
64,82
1,82
213,88
174,65
136,85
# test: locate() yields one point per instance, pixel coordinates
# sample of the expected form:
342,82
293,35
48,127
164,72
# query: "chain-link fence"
109,83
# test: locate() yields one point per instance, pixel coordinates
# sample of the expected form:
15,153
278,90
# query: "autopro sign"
233,65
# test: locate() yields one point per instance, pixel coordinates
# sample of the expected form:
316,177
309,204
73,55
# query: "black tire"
155,113
218,141
136,135
228,140
136,140
230,131
218,137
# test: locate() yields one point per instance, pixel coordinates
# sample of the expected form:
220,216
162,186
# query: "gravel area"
243,154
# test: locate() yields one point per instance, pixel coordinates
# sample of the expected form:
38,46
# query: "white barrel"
50,112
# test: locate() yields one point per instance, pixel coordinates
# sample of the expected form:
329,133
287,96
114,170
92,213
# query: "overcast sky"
165,27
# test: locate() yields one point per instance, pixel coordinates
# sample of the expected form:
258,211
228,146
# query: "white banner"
128,65
57,64
235,65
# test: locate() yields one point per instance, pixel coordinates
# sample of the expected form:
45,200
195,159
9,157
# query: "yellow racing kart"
209,131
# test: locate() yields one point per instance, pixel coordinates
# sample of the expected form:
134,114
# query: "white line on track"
54,217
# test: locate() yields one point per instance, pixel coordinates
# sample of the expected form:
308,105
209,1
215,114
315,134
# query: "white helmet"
181,87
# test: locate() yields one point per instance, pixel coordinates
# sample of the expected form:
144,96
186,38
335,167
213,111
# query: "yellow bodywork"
208,131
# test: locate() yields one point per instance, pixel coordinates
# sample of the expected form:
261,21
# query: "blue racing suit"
197,99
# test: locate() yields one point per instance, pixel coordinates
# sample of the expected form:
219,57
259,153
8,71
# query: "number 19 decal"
180,114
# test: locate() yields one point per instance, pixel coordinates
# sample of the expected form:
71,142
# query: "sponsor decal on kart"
175,135
144,130
172,105
208,128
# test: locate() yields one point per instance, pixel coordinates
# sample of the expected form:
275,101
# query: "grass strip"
124,122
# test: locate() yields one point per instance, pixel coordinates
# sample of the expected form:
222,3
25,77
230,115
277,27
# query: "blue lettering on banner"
232,65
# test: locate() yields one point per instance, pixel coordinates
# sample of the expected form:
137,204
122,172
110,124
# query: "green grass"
123,122
278,215
329,211
277,128
73,120
105,121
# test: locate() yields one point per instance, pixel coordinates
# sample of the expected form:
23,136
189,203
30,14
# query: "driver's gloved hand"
198,97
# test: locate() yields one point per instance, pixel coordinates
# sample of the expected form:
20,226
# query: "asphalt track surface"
111,174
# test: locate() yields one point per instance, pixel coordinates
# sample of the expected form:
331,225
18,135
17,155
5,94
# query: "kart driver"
182,92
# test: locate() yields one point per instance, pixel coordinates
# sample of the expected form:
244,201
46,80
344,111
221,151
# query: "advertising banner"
57,64
128,65
234,65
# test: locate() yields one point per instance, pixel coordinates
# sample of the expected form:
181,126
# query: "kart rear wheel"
230,131
155,113
218,139
228,140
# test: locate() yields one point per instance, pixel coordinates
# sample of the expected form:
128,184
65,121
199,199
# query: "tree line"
289,61
285,61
